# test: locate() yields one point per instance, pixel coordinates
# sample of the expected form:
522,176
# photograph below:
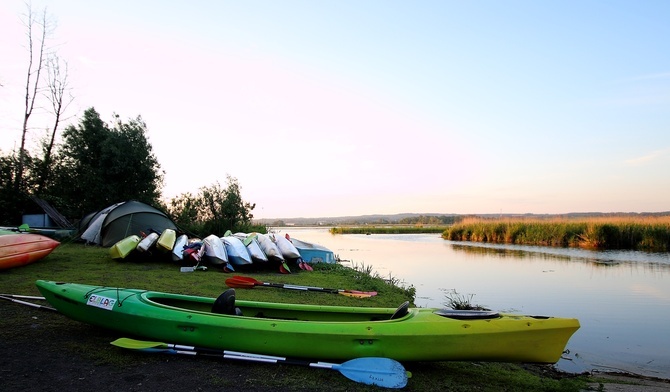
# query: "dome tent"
111,224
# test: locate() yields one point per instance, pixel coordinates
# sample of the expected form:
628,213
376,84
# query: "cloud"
648,158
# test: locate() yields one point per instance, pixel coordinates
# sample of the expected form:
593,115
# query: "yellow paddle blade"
355,295
137,344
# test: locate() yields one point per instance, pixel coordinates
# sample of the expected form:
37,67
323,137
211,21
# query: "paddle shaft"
244,282
191,350
18,301
348,293
22,296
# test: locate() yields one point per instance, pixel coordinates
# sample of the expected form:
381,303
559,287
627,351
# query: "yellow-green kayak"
121,249
311,331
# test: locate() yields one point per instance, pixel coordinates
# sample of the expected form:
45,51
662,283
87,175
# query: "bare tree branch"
60,98
35,65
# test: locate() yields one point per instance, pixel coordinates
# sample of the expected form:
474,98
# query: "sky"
353,107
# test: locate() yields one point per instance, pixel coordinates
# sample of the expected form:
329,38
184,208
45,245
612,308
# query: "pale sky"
350,107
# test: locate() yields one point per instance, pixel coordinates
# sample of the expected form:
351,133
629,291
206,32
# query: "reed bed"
613,232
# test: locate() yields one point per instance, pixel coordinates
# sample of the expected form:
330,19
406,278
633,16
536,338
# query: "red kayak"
20,249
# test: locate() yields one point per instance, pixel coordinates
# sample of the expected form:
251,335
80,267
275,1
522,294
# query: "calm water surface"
621,298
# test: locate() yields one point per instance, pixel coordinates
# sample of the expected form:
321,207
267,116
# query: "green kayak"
311,331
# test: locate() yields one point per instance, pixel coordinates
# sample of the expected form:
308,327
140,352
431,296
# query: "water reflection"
621,298
502,252
649,262
605,257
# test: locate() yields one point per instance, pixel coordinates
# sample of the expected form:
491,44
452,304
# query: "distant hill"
432,218
347,220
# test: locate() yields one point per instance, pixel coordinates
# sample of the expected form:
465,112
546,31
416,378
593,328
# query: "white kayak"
178,248
269,248
215,251
287,249
237,252
253,247
147,242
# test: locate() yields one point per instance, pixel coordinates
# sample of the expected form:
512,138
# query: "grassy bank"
388,229
650,234
62,341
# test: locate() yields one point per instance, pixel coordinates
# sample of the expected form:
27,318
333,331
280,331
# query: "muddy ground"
43,351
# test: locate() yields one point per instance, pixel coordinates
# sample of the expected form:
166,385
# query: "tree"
184,211
12,202
59,96
36,54
99,165
30,175
214,210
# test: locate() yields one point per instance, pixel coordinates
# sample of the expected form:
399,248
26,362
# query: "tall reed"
641,233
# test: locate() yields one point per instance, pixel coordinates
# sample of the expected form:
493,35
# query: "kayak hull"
124,247
314,253
178,249
17,250
311,331
268,247
147,242
285,246
166,240
236,251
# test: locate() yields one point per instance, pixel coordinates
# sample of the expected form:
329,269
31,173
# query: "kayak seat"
402,311
225,304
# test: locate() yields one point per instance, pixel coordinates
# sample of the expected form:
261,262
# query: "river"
621,298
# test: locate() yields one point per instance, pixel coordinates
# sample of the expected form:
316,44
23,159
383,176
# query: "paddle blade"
355,295
137,344
283,268
239,284
383,372
247,279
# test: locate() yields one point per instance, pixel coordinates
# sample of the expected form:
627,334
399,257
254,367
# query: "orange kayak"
20,249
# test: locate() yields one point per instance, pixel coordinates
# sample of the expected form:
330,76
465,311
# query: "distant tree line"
405,219
436,220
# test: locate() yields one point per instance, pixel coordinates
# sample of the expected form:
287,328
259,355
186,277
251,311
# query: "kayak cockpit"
227,305
467,314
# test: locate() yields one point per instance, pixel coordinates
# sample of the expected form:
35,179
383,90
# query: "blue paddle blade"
383,372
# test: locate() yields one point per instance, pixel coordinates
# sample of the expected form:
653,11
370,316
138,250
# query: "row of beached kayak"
238,250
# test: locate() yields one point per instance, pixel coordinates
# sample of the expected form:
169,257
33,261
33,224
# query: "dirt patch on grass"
44,351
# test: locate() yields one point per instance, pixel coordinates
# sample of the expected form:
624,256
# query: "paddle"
244,282
18,301
23,296
302,264
383,372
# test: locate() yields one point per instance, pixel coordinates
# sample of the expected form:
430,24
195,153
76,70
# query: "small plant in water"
459,301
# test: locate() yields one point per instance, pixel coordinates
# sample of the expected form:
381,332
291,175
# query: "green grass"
92,265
